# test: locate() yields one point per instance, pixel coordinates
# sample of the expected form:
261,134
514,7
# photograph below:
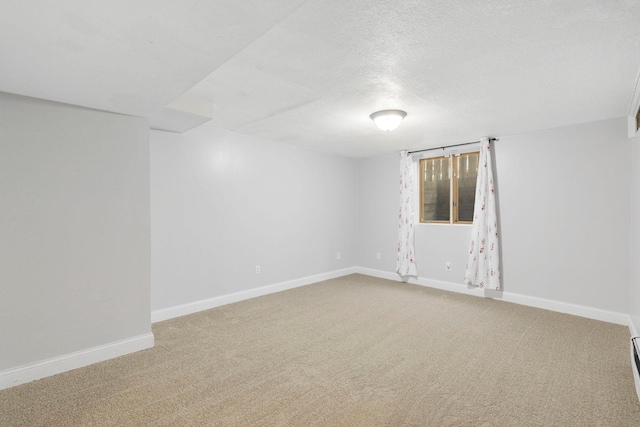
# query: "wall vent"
635,362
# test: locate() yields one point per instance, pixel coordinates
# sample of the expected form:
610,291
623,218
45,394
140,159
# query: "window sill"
447,224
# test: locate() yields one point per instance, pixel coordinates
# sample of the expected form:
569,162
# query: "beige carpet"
355,351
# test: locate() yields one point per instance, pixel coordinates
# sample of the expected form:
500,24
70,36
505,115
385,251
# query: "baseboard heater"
635,362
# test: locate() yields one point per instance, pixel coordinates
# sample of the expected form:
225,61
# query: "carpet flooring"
353,351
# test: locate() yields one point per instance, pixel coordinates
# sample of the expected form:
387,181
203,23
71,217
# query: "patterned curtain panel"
483,266
406,264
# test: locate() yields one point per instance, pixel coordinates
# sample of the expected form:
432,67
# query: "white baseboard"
196,306
46,368
632,329
561,307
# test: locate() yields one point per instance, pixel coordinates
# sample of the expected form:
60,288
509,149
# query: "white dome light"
388,120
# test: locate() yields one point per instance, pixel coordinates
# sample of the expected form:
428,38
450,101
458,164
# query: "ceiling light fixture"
388,120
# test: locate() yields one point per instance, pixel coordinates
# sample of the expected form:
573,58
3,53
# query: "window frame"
453,155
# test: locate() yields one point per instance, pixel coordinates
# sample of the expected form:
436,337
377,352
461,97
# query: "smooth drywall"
224,203
564,210
74,227
634,291
378,209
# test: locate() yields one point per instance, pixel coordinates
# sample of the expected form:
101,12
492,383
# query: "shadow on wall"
496,186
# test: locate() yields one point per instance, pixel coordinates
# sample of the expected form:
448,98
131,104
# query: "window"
448,188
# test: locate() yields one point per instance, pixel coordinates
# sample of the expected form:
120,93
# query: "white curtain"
483,265
406,263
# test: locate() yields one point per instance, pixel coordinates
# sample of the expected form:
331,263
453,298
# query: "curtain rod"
451,146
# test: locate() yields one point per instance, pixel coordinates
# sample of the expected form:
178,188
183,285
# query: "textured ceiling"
310,72
130,57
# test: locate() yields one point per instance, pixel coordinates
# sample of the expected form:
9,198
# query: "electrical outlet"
378,255
257,269
447,266
338,255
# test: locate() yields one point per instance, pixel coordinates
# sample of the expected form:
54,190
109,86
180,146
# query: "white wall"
634,291
74,227
378,204
222,203
564,211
